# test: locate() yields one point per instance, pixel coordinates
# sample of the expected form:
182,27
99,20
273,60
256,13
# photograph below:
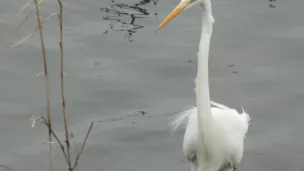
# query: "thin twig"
24,7
21,41
24,20
21,9
67,140
47,89
82,146
42,21
44,121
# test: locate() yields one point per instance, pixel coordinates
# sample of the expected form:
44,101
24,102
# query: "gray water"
117,67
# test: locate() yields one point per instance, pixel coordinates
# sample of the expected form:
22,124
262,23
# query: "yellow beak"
178,9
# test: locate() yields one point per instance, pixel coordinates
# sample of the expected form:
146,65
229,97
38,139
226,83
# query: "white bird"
214,136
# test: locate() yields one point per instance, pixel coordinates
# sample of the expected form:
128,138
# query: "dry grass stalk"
21,9
67,140
21,41
24,20
24,7
47,86
47,122
42,21
44,121
82,146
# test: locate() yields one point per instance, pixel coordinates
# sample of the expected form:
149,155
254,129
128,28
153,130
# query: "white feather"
232,128
215,135
180,120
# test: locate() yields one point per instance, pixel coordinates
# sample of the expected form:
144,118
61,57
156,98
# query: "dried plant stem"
44,121
65,147
82,146
67,140
22,9
47,89
42,21
24,20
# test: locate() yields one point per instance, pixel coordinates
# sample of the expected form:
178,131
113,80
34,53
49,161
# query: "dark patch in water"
138,113
271,5
96,63
142,112
118,12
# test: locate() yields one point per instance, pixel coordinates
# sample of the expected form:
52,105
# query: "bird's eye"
192,158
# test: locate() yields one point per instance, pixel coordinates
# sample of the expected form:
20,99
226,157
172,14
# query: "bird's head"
183,5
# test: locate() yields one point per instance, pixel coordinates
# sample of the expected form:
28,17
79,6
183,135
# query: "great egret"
214,136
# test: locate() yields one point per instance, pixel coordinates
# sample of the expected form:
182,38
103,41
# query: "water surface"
116,66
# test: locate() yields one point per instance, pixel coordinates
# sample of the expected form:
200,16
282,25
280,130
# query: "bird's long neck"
205,118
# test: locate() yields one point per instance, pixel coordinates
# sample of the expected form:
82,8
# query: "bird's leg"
227,166
232,166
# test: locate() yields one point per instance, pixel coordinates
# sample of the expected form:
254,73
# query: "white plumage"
214,136
230,130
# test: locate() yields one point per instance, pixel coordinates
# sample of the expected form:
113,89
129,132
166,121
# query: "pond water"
129,80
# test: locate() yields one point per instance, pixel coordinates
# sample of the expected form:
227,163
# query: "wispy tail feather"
245,117
180,120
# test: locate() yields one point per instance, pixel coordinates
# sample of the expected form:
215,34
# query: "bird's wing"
220,112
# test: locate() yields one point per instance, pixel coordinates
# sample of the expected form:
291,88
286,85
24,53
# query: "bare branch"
45,122
21,41
21,9
30,34
24,20
24,7
47,89
67,140
82,146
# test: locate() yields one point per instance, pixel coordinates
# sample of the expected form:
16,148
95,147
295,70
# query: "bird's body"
224,145
214,136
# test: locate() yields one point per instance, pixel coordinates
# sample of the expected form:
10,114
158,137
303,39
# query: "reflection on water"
124,16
